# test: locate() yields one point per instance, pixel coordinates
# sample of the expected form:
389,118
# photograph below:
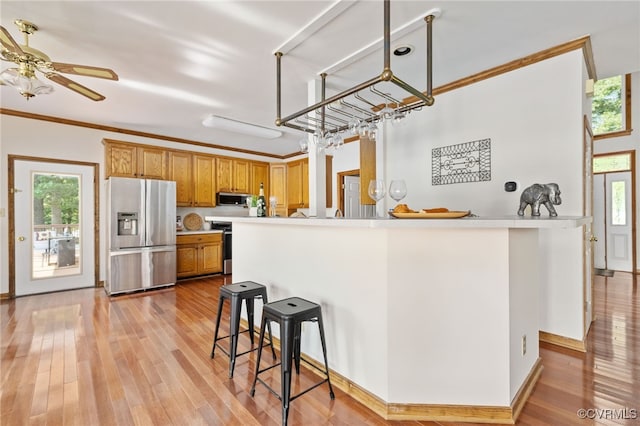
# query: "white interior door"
54,226
618,224
352,196
599,223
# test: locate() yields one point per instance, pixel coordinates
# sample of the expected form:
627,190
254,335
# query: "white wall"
627,143
534,118
26,137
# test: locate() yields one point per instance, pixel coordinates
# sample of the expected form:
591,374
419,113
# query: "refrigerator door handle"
159,248
125,252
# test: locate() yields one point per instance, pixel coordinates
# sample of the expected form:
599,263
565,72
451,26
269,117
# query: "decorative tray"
192,222
424,215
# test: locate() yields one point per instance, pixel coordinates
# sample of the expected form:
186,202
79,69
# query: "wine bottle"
262,203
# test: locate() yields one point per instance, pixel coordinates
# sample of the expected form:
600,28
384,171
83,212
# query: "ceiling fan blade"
85,70
76,87
9,43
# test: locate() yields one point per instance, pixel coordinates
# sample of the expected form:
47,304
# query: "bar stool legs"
236,293
290,314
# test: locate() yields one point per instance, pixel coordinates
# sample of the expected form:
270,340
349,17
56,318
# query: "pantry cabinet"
278,187
297,185
259,173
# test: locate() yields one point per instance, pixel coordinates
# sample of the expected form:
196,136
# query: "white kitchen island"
425,318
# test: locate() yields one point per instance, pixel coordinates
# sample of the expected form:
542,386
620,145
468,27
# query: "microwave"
231,199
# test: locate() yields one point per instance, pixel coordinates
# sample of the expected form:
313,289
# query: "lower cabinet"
198,254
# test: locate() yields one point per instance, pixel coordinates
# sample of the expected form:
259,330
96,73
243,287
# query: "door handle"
593,238
20,238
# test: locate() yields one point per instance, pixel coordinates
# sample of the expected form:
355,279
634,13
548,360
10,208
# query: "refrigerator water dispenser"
127,223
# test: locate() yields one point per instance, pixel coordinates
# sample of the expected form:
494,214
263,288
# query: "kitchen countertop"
201,231
465,222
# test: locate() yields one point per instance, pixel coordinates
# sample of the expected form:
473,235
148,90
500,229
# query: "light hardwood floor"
78,358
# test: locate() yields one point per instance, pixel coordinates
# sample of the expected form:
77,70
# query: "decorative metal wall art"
465,162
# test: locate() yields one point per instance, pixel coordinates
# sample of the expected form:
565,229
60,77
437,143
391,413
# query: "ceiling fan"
29,60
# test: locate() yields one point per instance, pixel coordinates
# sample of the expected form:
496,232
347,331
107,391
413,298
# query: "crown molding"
77,123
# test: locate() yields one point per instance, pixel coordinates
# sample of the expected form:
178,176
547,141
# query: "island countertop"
465,222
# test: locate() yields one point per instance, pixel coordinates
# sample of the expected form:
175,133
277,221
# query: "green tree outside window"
607,103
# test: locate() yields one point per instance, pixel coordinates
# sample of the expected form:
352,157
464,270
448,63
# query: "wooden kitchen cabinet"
204,176
181,171
297,185
232,175
198,254
259,173
135,161
278,187
297,179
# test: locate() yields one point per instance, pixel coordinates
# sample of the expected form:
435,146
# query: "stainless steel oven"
227,237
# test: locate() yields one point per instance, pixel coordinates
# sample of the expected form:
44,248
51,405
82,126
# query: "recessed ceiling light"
403,50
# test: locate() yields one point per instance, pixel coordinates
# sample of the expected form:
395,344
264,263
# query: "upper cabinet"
232,175
298,184
136,161
198,176
204,174
181,171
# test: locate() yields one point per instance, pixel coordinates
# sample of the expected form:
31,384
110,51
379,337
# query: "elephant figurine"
537,194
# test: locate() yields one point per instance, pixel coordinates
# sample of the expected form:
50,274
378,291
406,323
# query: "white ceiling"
179,61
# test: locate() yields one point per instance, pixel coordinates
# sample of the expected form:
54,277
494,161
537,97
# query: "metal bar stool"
290,314
236,293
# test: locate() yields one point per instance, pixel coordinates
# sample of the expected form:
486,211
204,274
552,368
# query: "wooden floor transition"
79,358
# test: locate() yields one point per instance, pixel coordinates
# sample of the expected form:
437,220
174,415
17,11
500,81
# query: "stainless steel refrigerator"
142,234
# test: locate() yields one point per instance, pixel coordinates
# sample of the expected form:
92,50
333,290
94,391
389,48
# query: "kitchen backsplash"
231,211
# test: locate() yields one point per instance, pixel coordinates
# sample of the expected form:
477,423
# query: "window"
612,163
618,203
611,107
56,224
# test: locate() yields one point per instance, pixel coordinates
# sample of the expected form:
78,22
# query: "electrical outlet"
524,344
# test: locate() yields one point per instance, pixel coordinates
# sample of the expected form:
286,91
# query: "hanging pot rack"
315,119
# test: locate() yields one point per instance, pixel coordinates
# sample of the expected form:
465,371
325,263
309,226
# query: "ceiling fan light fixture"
28,86
228,124
30,60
